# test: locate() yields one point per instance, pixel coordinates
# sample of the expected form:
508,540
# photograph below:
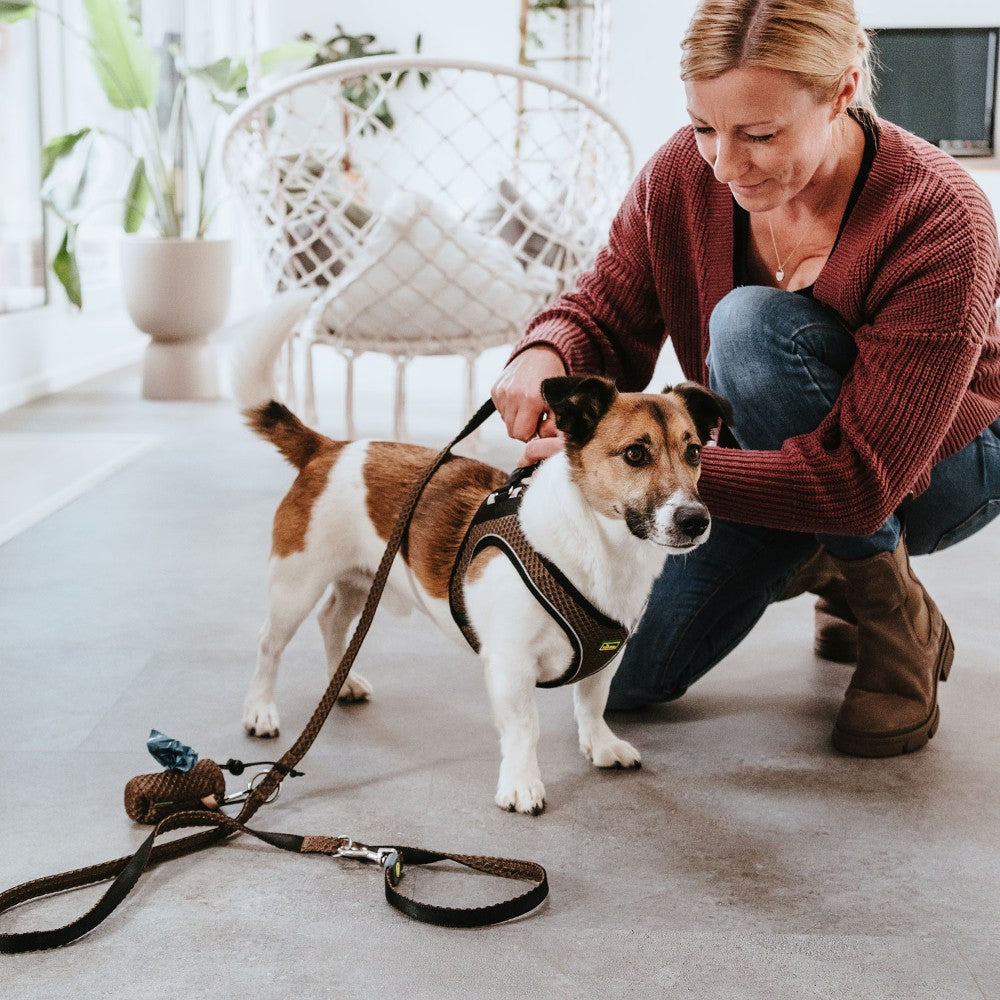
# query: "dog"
606,511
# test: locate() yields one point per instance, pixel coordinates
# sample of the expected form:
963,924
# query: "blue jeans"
780,359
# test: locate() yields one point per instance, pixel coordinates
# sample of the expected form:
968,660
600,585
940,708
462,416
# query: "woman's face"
763,134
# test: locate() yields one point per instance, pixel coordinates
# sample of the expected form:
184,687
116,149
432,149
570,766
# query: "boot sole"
894,744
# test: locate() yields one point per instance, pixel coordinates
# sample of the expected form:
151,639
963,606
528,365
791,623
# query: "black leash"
125,871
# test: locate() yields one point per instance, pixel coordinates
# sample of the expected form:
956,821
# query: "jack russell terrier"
606,512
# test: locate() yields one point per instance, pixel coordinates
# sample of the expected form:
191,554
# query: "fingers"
519,404
547,426
539,449
517,395
526,419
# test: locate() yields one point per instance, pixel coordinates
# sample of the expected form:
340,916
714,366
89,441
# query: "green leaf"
55,149
11,12
69,182
224,76
136,198
127,68
66,269
285,56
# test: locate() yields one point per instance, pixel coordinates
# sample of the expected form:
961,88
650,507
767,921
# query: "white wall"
646,94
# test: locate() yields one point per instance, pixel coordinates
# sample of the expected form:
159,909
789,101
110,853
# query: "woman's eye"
693,454
761,138
636,454
703,129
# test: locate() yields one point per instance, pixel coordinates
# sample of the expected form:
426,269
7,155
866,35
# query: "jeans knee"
779,358
738,358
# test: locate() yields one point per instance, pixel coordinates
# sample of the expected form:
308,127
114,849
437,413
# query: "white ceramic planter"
177,291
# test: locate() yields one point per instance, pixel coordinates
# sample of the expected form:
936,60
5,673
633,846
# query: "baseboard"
45,383
48,350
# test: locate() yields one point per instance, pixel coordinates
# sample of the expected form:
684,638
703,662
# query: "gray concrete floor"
746,859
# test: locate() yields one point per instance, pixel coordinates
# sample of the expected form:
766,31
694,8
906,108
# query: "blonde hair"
816,40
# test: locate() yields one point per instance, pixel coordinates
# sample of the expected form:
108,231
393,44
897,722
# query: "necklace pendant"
780,275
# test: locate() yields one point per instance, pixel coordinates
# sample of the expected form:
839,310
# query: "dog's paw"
261,720
611,752
526,797
355,688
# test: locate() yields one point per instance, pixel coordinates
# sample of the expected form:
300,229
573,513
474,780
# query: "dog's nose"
693,521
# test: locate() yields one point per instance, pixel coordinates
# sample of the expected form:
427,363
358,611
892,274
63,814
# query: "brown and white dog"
606,511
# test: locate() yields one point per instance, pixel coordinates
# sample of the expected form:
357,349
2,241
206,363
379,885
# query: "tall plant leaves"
127,68
226,78
69,181
284,57
11,12
62,145
137,198
65,267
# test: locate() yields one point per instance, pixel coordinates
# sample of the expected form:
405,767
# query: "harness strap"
594,638
125,871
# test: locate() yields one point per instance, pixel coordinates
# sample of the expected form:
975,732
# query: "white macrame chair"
439,230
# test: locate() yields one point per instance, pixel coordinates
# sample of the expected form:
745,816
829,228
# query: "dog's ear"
707,408
577,404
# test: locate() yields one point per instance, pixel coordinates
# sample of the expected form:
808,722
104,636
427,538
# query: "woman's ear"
849,84
578,404
707,408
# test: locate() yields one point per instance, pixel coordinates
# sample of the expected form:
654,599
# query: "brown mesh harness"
596,639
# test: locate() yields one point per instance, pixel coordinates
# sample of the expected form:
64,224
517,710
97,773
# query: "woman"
836,278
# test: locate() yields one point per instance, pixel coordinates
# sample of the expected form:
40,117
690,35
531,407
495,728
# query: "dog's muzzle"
677,525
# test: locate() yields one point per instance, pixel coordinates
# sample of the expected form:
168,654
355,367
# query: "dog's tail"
253,379
274,422
253,371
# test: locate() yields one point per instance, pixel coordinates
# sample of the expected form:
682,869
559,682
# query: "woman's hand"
517,393
518,400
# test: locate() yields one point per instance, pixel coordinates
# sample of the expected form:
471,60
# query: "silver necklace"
779,274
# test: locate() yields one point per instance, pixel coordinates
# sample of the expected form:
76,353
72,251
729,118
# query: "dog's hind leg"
597,741
511,688
335,617
292,594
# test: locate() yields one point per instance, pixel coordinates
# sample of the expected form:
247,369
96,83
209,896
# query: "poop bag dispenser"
187,783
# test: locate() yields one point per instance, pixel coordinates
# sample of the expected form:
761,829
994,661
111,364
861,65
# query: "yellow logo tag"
609,645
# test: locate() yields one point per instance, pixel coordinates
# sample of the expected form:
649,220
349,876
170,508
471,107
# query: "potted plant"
176,279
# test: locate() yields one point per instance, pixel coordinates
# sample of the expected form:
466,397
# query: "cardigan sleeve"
610,323
931,304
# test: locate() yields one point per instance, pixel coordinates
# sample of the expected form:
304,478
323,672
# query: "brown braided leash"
125,871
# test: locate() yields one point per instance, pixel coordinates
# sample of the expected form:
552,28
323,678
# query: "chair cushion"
424,276
535,235
321,242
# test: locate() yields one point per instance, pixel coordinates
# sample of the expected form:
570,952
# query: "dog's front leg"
511,686
597,741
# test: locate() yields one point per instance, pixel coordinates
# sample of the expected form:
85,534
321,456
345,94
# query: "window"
22,252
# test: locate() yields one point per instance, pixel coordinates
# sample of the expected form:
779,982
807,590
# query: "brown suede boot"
836,630
904,647
836,633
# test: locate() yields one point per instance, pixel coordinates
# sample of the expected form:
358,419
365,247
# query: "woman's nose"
729,165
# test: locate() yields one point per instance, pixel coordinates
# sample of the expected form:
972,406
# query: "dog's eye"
693,454
636,454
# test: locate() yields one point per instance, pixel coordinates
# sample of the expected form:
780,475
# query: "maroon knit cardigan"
915,275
